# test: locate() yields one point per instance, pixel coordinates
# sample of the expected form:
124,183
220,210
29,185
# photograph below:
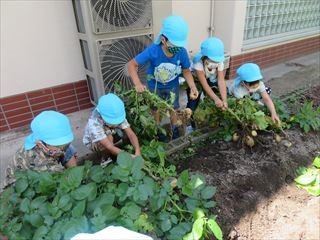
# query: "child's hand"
194,93
140,88
225,106
218,103
276,119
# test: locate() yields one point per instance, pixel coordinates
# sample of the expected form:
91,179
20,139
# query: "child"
107,120
47,148
208,67
168,58
249,83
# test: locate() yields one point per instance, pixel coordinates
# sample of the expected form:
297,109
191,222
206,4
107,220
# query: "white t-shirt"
241,91
212,75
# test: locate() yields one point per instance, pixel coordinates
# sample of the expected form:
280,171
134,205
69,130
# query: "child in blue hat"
167,58
47,148
107,121
208,68
249,83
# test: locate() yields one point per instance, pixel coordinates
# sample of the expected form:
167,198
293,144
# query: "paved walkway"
283,78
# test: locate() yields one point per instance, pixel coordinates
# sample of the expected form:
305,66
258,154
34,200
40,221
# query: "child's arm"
268,101
133,72
222,89
108,144
189,78
133,140
208,90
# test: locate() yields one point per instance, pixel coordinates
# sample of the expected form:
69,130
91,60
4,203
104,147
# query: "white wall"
196,13
39,46
229,22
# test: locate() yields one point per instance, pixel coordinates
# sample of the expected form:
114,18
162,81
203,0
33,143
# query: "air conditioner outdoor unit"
111,32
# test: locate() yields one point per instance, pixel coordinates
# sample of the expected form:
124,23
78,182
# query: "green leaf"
85,191
103,199
24,205
97,173
47,184
192,203
36,220
215,229
208,192
120,173
260,120
71,178
125,160
189,236
316,162
178,231
131,210
209,204
37,202
21,185
137,164
143,223
110,213
79,208
197,228
29,193
40,233
308,178
56,230
64,201
165,225
183,179
197,182
48,220
75,226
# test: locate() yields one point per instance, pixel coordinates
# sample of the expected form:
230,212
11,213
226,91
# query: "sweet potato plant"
88,198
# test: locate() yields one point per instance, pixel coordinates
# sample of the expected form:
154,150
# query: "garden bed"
256,198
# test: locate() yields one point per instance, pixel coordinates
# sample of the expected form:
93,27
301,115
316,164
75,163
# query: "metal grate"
120,15
114,56
271,21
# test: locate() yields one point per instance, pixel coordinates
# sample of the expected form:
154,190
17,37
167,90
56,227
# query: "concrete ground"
283,78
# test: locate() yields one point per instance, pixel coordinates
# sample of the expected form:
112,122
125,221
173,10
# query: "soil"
256,196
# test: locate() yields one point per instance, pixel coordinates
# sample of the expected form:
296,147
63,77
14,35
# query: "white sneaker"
189,129
105,162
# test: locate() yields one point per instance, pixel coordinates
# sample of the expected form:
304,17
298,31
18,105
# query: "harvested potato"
173,182
193,96
249,141
235,137
188,112
254,133
278,138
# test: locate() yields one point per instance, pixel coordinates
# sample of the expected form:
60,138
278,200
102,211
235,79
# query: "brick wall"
18,110
273,55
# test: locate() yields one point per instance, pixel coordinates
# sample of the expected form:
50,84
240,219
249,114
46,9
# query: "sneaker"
105,162
189,129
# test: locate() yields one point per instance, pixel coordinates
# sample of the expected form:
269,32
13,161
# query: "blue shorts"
164,93
70,152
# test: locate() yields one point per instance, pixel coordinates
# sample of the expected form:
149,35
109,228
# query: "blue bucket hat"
111,109
213,48
50,127
175,29
248,72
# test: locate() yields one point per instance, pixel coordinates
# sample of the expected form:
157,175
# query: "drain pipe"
211,27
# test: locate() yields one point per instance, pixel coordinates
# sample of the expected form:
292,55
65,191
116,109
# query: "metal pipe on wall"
211,27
